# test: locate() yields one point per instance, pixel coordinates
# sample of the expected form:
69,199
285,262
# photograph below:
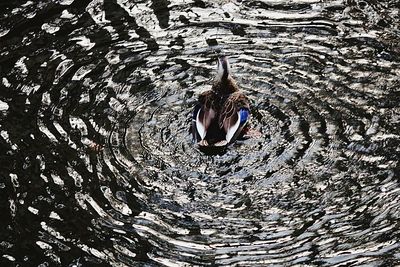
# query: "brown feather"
225,87
209,99
231,106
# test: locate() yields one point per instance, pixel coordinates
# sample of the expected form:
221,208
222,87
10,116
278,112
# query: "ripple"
98,158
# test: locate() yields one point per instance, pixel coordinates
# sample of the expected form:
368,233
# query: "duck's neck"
225,86
223,69
224,83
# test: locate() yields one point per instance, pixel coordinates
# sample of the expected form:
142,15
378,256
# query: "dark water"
97,165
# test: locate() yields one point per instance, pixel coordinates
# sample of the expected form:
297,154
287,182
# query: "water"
97,165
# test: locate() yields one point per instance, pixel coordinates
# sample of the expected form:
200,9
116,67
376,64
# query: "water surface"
97,163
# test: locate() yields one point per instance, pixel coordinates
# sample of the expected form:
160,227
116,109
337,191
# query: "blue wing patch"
244,115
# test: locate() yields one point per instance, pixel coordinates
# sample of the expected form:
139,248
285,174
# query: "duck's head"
223,68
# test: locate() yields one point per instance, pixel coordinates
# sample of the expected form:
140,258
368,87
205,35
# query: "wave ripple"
98,166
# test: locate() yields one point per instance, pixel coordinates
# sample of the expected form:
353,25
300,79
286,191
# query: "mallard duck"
222,112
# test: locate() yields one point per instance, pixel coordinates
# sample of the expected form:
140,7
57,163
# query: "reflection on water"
98,167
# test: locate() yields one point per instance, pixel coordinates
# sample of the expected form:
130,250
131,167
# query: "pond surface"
97,163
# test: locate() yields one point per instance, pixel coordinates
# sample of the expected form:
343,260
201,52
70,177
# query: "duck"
221,113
